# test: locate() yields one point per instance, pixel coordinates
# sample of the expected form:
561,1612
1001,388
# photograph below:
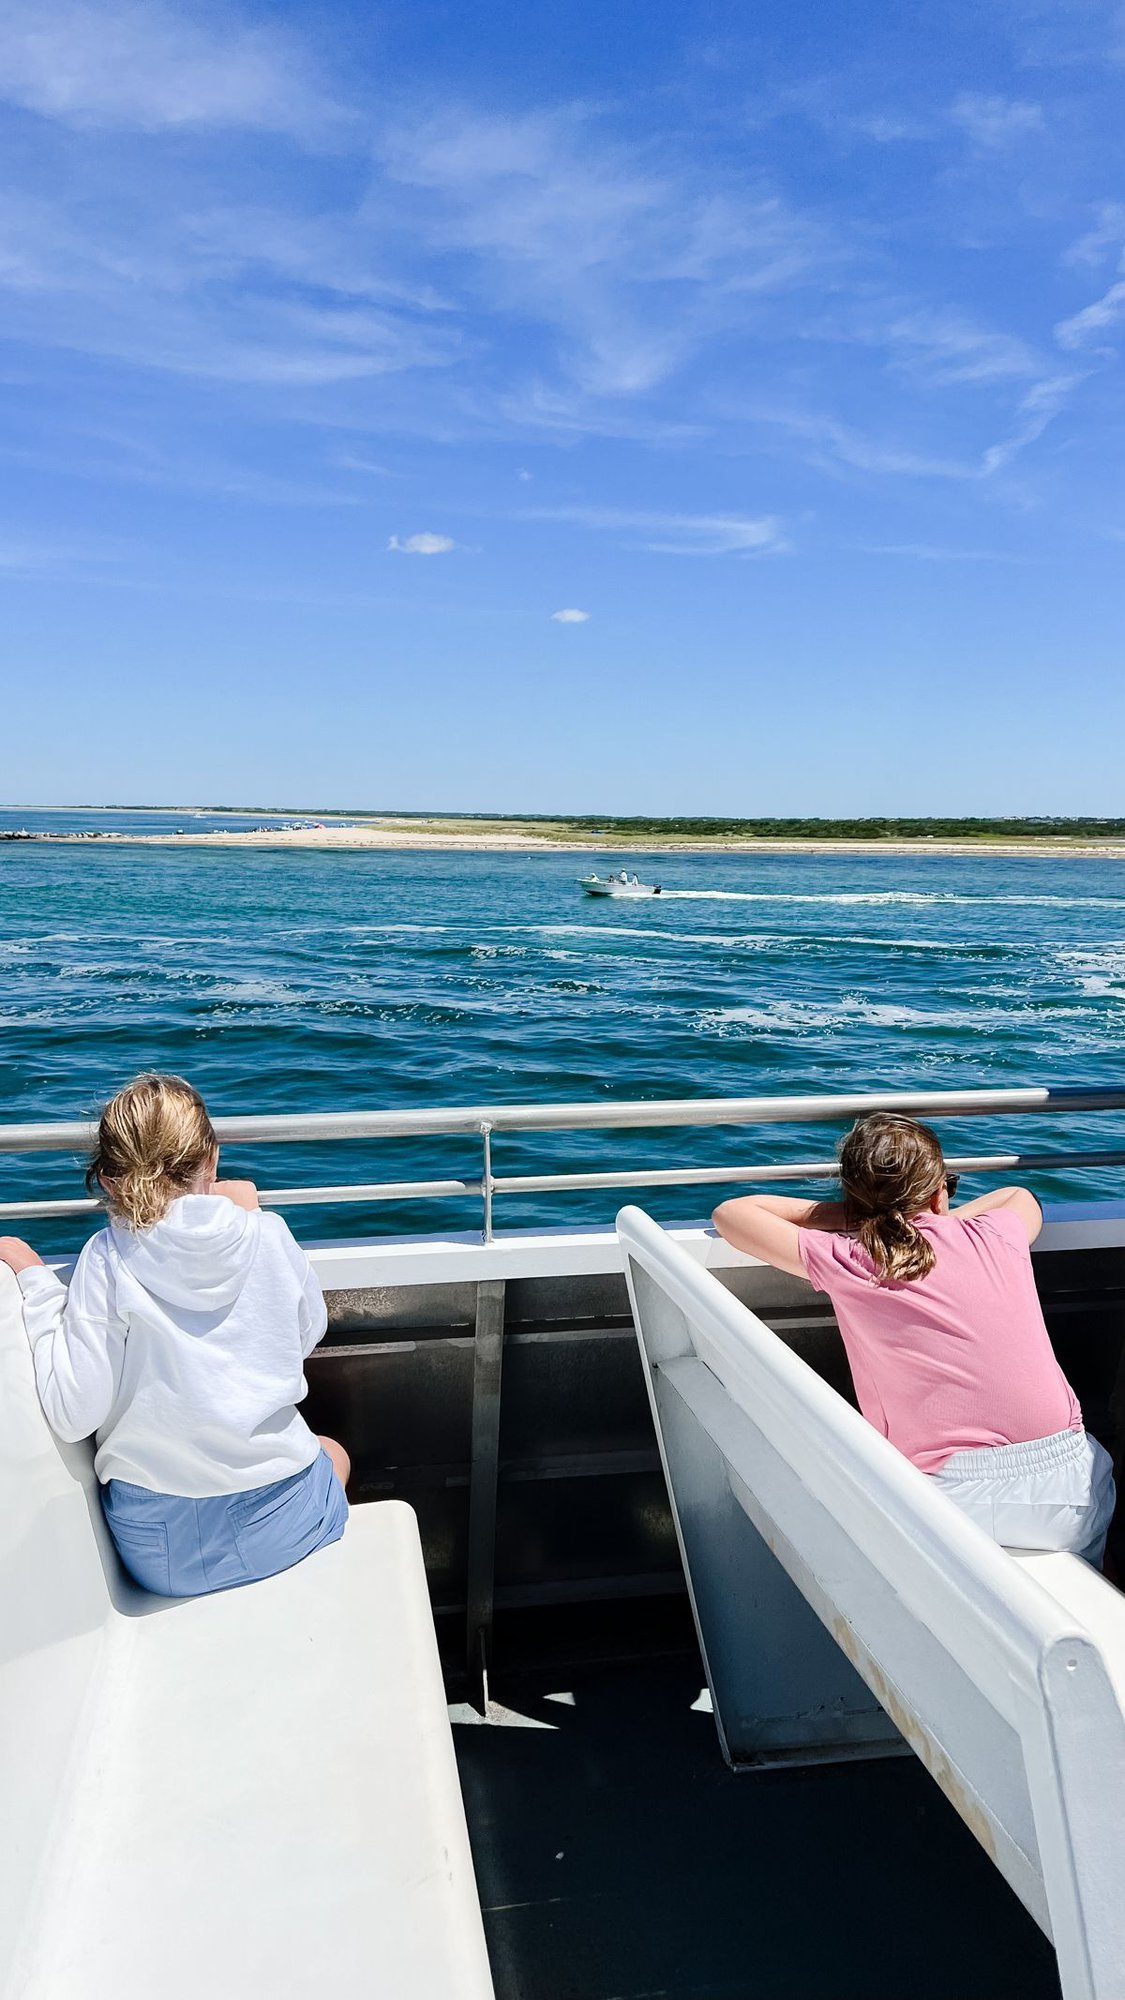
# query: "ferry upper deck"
495,1384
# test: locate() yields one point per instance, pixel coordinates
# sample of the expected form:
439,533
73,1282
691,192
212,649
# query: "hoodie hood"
197,1256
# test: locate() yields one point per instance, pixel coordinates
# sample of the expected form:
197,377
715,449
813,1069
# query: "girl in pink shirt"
941,1320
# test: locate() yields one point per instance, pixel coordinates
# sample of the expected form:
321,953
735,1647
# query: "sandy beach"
438,836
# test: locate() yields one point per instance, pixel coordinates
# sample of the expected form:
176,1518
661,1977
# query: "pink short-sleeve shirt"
958,1359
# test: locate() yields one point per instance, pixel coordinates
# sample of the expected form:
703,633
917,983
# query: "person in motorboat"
939,1314
180,1345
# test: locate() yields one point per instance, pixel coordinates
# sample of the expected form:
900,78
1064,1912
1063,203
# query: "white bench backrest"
55,1563
1003,1694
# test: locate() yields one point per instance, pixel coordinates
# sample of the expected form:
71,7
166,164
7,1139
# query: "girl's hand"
243,1193
16,1254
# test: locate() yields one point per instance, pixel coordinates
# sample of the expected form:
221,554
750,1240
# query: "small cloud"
421,545
570,617
995,122
522,474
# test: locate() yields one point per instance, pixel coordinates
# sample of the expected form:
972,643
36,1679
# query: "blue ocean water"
302,981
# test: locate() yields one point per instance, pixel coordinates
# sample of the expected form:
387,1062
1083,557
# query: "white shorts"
1054,1493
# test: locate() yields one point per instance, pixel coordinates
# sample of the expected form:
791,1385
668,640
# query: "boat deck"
618,1858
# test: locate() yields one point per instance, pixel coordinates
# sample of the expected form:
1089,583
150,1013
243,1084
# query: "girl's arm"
312,1313
77,1343
766,1225
1017,1200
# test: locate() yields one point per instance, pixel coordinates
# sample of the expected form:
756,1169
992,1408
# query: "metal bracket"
488,1357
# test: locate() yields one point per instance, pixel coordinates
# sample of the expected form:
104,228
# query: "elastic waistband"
991,1461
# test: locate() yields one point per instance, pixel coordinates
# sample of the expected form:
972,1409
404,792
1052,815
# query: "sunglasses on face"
952,1182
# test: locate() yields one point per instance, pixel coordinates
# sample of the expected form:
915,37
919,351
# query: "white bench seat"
1097,1606
249,1794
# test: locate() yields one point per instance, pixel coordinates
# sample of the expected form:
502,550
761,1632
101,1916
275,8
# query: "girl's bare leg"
340,1460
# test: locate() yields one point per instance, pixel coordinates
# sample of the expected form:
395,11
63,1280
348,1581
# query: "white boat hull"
594,886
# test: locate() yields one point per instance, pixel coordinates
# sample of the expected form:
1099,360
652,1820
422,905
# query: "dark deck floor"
619,1859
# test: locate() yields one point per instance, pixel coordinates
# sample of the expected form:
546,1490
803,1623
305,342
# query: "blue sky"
344,348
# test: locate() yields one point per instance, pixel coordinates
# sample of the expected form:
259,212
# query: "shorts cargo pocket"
143,1548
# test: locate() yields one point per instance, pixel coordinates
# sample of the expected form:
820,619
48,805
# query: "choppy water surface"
302,981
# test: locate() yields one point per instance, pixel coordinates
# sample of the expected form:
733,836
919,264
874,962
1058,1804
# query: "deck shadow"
618,1859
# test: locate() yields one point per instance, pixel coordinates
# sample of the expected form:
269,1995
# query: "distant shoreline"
441,838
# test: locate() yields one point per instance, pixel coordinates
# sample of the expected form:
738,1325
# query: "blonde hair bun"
154,1138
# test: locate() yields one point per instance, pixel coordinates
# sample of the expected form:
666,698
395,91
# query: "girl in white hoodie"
180,1345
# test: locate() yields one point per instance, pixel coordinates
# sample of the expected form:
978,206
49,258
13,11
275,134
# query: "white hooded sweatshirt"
182,1348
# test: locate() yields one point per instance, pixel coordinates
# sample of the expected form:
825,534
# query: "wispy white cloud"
833,441
546,275
336,253
835,107
891,128
99,453
618,269
949,347
1036,410
132,282
30,557
571,617
358,461
1105,237
631,261
150,66
992,122
561,410
679,534
424,544
929,552
1093,319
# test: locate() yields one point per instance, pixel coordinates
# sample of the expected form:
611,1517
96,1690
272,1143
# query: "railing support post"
484,1468
487,1183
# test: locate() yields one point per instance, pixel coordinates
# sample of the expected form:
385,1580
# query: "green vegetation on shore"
847,829
653,832
635,827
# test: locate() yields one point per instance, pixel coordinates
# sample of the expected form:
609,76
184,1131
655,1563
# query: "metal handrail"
484,1120
53,1137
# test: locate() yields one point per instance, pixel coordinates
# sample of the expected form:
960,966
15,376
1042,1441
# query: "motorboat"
622,884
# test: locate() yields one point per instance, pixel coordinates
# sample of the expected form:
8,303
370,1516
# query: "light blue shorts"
183,1548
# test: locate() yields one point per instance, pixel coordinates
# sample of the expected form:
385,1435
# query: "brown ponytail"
154,1138
891,1167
